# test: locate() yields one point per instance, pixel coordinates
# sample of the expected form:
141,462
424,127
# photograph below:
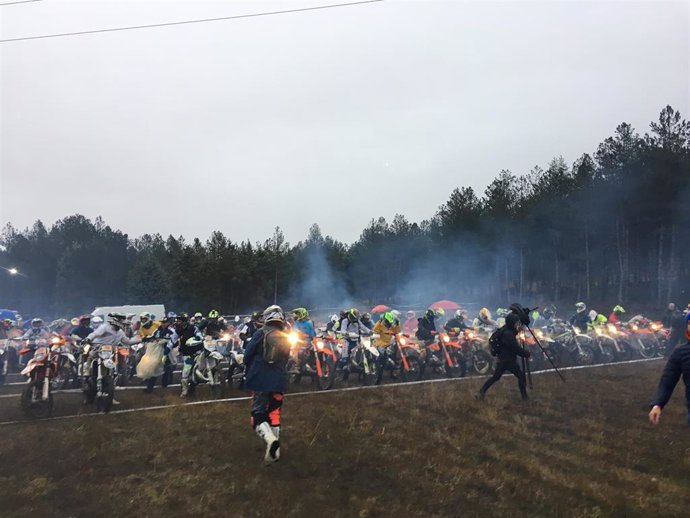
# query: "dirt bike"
67,373
236,367
538,359
408,356
643,338
475,351
571,346
206,368
37,397
453,359
136,351
607,349
124,367
317,360
364,359
99,374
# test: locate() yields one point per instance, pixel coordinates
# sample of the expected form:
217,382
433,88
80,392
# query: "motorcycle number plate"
107,348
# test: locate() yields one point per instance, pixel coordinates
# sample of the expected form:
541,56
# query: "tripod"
525,361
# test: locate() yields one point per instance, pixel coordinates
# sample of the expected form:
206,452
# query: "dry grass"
581,449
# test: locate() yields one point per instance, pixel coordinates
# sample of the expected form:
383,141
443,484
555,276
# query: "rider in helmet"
147,325
410,325
82,329
366,321
484,319
351,324
546,317
249,327
386,328
191,343
165,331
303,325
37,331
580,319
426,326
267,378
112,333
456,324
333,322
617,314
214,327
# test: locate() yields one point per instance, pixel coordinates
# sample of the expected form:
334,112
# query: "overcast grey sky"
334,116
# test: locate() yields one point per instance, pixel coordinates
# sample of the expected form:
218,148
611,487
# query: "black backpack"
495,341
276,347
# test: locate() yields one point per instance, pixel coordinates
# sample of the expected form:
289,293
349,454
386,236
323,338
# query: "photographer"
507,349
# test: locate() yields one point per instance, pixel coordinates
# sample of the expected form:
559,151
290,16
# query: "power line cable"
21,2
187,22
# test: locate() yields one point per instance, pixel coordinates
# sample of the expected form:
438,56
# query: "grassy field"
578,449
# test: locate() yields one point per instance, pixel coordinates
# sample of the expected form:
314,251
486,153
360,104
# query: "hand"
655,414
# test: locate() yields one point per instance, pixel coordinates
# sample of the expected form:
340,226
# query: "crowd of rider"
186,333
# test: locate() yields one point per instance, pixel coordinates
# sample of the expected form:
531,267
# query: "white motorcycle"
207,368
99,372
364,359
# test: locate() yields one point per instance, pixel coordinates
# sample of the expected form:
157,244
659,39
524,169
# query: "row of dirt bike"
569,345
58,363
463,352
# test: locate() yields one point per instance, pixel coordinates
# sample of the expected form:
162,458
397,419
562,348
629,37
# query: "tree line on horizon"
613,227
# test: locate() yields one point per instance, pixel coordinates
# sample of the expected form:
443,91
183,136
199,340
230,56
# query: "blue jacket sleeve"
669,379
250,350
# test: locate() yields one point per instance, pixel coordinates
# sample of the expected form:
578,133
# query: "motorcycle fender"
27,370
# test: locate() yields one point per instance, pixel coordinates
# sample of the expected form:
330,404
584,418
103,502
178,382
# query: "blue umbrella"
8,313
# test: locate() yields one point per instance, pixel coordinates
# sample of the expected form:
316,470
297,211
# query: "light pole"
13,271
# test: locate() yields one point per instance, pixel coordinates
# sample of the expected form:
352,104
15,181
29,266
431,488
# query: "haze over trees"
612,227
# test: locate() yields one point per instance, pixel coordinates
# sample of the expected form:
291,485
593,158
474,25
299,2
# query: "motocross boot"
276,431
185,388
272,443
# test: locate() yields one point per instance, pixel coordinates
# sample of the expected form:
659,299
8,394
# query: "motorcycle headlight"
540,333
612,329
634,327
293,338
598,331
402,341
446,339
55,340
577,330
655,327
320,345
226,336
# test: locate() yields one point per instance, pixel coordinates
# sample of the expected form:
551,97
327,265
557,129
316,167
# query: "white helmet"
580,307
97,320
274,314
334,318
116,320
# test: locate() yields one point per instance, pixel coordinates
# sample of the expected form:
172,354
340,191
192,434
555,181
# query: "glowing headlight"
319,345
634,327
612,329
470,335
403,341
292,338
226,336
55,340
540,333
655,327
598,331
577,330
446,339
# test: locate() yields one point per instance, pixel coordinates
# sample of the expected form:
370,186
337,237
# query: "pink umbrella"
380,309
445,304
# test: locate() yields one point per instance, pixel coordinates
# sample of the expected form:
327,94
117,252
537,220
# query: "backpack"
276,347
495,341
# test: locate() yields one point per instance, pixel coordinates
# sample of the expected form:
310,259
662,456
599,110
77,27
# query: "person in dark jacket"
456,324
580,319
191,344
678,365
506,359
83,330
676,323
266,358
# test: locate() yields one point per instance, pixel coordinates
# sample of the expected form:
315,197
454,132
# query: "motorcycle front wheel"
105,401
32,404
325,381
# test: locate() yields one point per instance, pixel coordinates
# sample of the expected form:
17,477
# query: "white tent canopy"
156,309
